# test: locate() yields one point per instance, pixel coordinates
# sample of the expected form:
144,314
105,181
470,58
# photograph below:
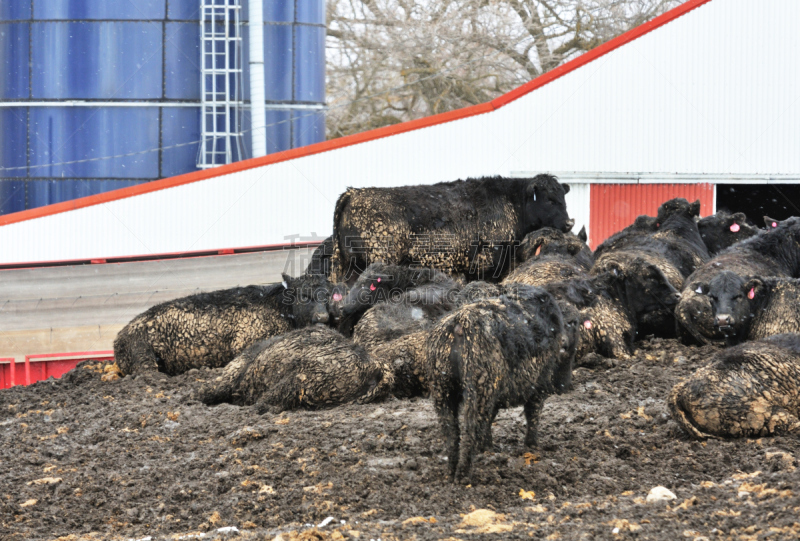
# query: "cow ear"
695,208
582,234
770,222
702,289
286,280
752,288
566,188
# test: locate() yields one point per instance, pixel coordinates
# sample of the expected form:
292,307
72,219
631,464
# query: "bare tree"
395,60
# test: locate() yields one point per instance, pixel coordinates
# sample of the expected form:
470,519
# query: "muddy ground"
83,458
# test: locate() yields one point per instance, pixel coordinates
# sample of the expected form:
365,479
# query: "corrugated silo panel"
45,192
184,10
279,131
180,125
307,127
311,12
119,60
616,206
98,9
12,196
14,51
278,49
15,11
13,141
279,12
67,134
309,73
182,72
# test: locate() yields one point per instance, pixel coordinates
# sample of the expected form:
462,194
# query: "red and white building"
695,103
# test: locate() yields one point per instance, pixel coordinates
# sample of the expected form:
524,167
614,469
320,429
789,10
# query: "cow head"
544,205
730,304
306,298
549,241
677,206
721,230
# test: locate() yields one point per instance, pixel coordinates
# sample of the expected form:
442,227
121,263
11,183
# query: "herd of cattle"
477,294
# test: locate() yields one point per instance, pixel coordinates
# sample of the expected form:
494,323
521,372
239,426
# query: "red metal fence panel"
615,206
40,367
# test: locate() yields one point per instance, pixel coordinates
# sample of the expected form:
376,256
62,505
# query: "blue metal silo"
98,95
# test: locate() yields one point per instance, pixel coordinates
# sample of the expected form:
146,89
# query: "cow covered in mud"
752,308
549,255
723,229
497,353
775,253
750,390
676,248
311,368
466,227
210,329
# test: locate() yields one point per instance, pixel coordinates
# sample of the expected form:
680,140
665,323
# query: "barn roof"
362,137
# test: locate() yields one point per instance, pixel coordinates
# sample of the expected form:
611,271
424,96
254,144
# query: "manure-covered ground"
138,458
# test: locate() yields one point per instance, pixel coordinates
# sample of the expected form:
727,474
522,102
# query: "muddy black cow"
466,227
676,248
210,329
723,229
621,298
497,353
310,368
383,282
752,308
549,255
775,253
749,390
395,334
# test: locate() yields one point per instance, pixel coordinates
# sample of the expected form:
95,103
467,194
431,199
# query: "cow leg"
486,443
533,407
446,406
478,412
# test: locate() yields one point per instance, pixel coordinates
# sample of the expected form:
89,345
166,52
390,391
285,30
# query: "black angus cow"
752,308
775,253
465,227
210,329
750,390
496,353
675,247
549,255
723,229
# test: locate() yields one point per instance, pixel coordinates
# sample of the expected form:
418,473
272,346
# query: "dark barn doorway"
778,201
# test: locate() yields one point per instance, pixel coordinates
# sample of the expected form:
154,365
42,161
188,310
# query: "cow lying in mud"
310,368
548,255
775,252
676,248
750,390
749,309
465,227
210,329
497,353
431,289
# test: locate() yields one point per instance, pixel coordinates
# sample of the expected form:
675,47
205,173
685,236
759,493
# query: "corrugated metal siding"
616,206
691,97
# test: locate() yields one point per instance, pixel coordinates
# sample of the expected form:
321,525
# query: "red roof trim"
357,138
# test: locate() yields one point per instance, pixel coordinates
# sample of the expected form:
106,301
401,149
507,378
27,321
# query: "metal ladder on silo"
221,83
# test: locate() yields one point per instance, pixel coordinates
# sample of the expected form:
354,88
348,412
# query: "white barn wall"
714,92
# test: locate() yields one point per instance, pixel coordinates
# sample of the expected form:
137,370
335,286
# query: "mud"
138,457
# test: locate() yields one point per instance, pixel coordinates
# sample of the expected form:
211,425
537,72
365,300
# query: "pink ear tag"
372,287
587,324
735,228
337,297
752,293
774,224
379,280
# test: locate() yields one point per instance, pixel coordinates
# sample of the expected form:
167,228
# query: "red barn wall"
615,206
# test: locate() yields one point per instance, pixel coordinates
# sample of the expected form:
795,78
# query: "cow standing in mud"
466,227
